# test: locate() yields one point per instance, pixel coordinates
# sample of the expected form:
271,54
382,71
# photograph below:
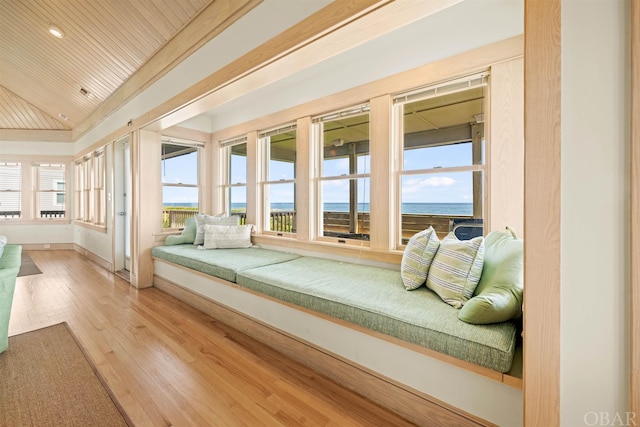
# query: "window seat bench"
371,297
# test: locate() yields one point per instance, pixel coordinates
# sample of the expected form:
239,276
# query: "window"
442,168
99,175
90,175
32,190
180,188
279,187
50,190
60,195
10,190
344,173
235,181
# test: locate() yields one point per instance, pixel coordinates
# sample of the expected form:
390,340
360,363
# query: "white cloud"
415,185
438,181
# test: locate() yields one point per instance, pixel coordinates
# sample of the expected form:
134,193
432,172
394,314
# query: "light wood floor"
171,365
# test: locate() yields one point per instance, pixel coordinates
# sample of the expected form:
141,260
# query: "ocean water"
407,208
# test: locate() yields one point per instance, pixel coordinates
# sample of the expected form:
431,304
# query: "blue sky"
180,170
452,187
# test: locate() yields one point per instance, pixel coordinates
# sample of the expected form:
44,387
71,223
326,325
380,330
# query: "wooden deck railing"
335,223
43,214
175,218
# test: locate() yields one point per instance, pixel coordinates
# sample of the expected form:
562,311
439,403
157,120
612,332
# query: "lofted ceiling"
49,83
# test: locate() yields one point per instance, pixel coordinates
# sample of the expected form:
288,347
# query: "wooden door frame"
541,394
542,130
635,211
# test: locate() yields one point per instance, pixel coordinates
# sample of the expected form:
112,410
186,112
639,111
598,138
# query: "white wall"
36,148
37,234
595,203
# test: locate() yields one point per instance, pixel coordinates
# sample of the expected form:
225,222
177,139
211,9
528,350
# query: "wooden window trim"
635,209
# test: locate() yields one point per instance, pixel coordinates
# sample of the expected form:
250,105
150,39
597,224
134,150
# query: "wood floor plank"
171,365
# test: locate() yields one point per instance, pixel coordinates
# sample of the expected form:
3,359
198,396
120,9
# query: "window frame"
225,146
265,182
20,191
38,191
198,185
317,132
29,188
90,177
448,87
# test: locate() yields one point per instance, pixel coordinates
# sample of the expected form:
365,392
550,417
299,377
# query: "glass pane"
178,204
440,201
179,164
86,173
345,210
10,177
100,172
60,195
282,210
100,207
51,201
79,178
445,131
49,206
77,206
442,156
10,204
346,146
238,202
238,164
10,186
282,156
86,205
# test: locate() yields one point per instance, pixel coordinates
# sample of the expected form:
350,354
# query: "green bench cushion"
375,298
222,263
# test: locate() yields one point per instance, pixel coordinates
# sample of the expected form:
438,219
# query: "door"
122,206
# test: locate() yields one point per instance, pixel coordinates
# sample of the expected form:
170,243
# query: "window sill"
100,228
391,258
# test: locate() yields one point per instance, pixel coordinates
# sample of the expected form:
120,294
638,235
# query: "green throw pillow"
188,234
417,257
499,293
456,269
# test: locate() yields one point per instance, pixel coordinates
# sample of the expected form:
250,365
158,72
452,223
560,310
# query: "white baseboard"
46,246
107,265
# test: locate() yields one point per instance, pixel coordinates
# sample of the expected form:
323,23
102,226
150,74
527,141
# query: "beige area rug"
47,380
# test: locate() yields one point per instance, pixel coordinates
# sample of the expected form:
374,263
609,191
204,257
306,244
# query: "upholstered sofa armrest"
9,266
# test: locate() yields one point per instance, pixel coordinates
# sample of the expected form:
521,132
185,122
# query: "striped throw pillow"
417,257
456,269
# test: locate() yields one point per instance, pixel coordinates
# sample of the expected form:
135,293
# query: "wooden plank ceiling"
43,79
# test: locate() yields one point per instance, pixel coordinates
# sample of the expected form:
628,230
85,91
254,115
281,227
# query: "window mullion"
471,168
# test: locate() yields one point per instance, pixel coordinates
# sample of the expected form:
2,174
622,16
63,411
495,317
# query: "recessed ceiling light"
56,31
63,116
